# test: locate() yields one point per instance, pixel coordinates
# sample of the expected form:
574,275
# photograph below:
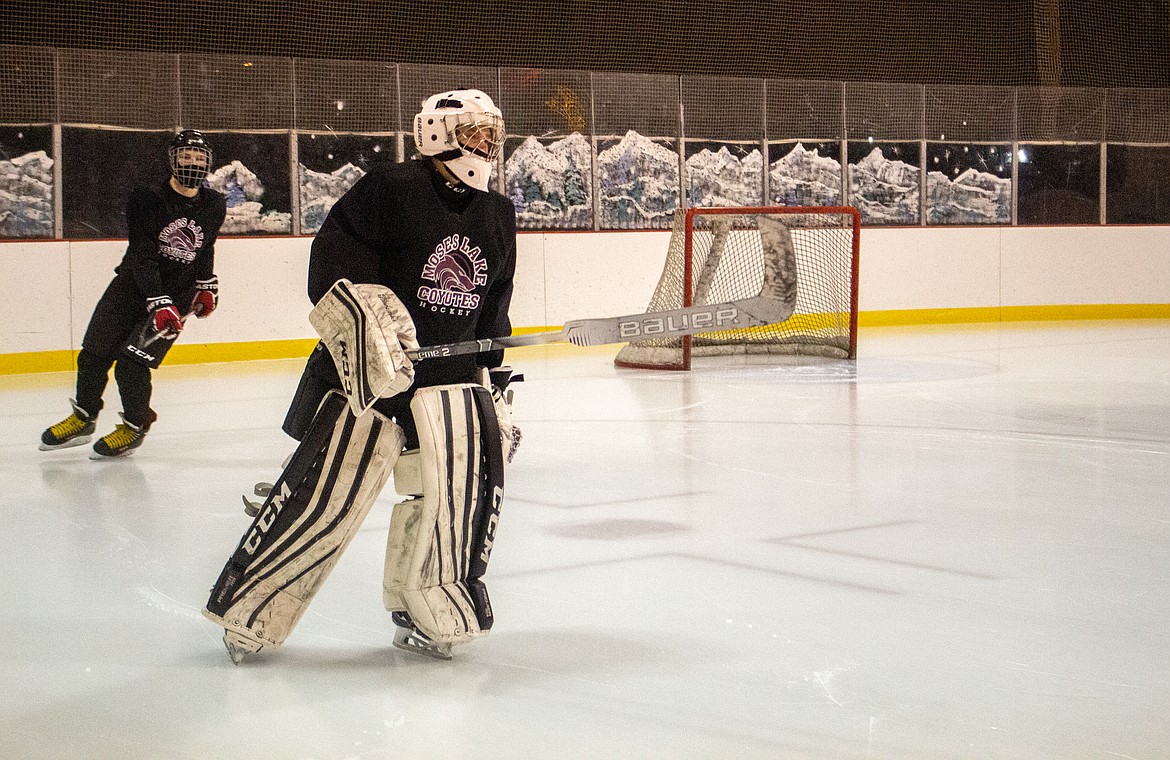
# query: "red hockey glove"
206,297
165,315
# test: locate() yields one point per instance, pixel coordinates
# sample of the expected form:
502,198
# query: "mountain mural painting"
26,196
720,178
804,177
885,191
550,185
639,179
245,213
320,190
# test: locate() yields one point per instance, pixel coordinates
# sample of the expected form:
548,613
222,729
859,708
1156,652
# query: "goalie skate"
252,508
239,645
411,639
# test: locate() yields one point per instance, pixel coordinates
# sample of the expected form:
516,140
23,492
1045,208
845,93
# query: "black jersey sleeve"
493,319
142,257
205,261
348,242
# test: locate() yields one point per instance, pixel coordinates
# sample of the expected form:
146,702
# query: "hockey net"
716,255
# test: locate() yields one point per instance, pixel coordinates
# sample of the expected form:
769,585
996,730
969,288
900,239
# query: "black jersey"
172,240
449,257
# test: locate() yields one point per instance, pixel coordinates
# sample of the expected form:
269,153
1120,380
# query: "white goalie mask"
464,130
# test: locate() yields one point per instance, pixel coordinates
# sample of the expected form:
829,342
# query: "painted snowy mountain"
805,178
639,183
26,196
720,179
244,210
884,190
974,197
551,185
320,190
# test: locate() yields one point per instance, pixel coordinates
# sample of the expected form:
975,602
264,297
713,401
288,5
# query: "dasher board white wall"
49,288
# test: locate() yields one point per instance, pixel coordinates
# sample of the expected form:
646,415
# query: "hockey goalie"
418,251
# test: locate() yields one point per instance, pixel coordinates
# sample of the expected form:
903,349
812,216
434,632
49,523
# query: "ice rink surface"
956,547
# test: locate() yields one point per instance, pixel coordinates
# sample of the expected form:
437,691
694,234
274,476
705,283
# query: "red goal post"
716,255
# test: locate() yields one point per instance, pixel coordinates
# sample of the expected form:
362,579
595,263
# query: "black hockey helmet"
184,157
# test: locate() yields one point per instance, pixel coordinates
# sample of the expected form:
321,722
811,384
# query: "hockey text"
722,317
136,350
432,353
181,240
267,517
457,267
346,373
493,518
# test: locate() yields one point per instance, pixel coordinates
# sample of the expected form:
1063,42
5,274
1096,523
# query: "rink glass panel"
724,173
330,163
346,96
1059,184
552,104
885,181
637,122
968,183
99,168
252,171
26,182
804,173
1137,185
251,104
549,182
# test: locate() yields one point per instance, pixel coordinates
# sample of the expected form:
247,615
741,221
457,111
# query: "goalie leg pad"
408,474
306,522
440,542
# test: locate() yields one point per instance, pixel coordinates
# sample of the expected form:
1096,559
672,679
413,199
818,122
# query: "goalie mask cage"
717,255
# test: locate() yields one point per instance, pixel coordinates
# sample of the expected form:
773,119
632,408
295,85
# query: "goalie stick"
774,303
731,315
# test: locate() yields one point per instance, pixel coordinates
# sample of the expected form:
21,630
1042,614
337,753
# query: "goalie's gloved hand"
500,378
166,317
206,297
509,430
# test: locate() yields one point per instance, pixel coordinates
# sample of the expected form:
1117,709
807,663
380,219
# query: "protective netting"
1080,43
728,260
284,65
618,114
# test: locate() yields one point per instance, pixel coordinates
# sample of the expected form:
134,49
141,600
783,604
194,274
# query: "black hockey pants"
114,317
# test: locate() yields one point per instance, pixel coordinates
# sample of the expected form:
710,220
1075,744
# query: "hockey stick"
756,311
139,343
775,303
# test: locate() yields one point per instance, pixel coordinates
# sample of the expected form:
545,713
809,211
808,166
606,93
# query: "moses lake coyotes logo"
181,240
456,267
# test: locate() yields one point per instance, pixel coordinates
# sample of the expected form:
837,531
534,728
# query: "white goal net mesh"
726,262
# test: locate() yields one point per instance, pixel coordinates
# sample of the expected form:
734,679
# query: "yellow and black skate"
123,440
74,430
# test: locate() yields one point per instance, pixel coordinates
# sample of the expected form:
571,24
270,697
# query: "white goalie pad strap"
305,524
408,474
439,544
367,331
